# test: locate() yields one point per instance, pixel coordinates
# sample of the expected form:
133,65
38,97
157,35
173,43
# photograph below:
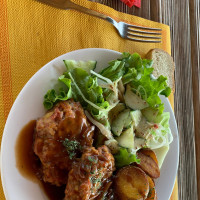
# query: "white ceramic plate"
29,106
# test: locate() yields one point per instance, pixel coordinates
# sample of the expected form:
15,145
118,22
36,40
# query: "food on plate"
149,153
163,64
148,165
161,154
105,134
152,191
89,174
60,136
131,183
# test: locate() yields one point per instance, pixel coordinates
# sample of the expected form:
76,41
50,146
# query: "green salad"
122,100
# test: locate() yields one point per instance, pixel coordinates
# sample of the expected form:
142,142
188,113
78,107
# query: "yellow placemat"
32,34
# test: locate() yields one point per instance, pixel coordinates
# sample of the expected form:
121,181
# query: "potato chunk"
148,165
131,183
150,153
152,192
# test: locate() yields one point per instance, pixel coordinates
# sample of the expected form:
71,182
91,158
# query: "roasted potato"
152,192
148,165
131,183
150,153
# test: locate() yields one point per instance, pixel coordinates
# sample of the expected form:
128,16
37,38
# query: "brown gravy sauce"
29,165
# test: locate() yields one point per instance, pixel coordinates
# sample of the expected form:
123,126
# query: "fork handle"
74,6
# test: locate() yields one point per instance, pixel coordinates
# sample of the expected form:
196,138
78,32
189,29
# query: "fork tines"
143,34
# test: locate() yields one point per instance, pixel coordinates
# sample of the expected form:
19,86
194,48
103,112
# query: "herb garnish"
95,180
72,146
150,192
92,159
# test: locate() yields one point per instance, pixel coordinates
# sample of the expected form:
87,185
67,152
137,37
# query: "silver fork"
125,30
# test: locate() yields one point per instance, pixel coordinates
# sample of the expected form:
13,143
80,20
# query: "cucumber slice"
126,139
86,65
139,143
143,129
119,122
136,117
128,121
134,101
115,111
152,116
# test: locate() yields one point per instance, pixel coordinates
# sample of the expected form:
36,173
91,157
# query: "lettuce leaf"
138,73
83,87
163,119
86,90
129,76
151,89
64,93
114,71
123,158
139,77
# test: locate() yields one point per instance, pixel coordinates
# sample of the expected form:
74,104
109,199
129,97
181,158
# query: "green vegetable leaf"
88,88
87,91
148,63
133,60
64,93
138,74
123,158
166,92
49,99
163,119
114,71
129,76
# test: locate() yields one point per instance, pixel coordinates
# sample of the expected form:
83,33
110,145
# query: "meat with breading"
89,174
64,126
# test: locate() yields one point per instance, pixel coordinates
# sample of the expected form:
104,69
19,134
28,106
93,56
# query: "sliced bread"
163,64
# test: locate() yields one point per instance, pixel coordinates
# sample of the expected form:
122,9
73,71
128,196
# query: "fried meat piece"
89,173
66,121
